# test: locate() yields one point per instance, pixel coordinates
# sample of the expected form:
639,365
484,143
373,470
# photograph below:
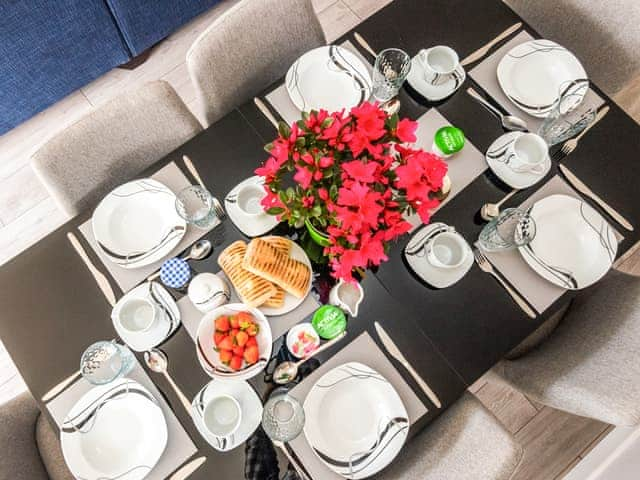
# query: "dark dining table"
52,308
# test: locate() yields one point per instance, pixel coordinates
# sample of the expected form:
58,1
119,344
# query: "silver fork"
486,267
570,145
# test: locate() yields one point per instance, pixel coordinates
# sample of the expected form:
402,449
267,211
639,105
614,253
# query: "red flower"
406,130
307,202
361,171
303,176
370,120
269,170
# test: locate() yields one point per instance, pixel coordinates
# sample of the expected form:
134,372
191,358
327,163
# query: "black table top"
53,309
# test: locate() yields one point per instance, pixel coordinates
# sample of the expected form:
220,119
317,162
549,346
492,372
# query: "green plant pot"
319,237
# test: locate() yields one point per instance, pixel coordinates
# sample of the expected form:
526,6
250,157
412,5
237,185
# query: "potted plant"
353,179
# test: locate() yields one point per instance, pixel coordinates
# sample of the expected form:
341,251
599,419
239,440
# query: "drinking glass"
389,73
282,417
198,207
570,115
512,228
104,362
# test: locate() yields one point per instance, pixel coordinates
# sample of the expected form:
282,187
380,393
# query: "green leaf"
333,191
327,122
283,196
305,116
284,129
392,121
268,147
275,211
291,193
316,211
300,142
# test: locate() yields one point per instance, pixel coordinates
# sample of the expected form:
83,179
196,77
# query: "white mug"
446,250
138,315
222,415
249,198
438,63
527,154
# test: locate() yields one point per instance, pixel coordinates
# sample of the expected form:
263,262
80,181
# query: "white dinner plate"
533,74
329,78
163,329
290,301
498,162
137,223
251,226
356,422
250,408
124,438
574,246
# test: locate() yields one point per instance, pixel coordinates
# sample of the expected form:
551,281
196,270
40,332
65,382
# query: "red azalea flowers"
354,179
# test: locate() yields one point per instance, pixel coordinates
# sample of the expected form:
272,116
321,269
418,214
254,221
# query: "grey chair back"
112,144
247,48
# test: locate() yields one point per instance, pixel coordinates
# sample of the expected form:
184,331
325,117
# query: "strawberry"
217,337
252,342
233,332
236,363
245,317
242,338
239,351
225,356
226,343
252,330
251,355
222,324
234,321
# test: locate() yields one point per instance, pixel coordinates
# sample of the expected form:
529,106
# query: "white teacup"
138,315
438,63
249,198
222,415
446,250
527,154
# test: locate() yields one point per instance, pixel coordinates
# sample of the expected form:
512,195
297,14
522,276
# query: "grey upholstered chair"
604,35
590,364
112,144
247,48
29,447
465,443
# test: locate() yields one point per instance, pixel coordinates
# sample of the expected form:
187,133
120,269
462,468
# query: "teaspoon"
489,211
509,122
198,251
158,362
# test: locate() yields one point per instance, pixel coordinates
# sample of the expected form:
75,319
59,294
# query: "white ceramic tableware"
168,318
249,198
534,74
292,340
222,415
431,74
438,64
122,432
415,253
249,413
250,225
208,291
208,355
347,295
137,223
446,250
509,165
330,78
138,315
356,421
574,245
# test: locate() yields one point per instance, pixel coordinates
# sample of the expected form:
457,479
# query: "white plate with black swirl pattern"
356,421
574,246
114,431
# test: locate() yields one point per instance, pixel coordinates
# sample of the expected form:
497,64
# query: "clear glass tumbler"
389,73
570,115
282,417
198,207
512,228
103,362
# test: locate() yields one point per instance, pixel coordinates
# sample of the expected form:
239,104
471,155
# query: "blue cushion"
48,49
144,23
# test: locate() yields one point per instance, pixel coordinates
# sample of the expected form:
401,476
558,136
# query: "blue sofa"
49,48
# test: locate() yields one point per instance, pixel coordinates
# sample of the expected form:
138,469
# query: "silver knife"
265,111
100,278
587,192
188,468
364,44
192,170
394,351
55,390
482,51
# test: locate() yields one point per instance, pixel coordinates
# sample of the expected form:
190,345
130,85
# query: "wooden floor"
553,441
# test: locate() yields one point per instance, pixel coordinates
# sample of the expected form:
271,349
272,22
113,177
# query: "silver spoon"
198,251
489,211
509,122
287,371
158,362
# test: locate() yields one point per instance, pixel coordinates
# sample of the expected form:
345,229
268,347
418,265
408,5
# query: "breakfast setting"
315,309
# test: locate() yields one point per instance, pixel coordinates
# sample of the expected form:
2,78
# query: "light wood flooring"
553,441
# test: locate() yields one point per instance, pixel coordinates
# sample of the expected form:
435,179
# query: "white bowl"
208,291
205,346
292,337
